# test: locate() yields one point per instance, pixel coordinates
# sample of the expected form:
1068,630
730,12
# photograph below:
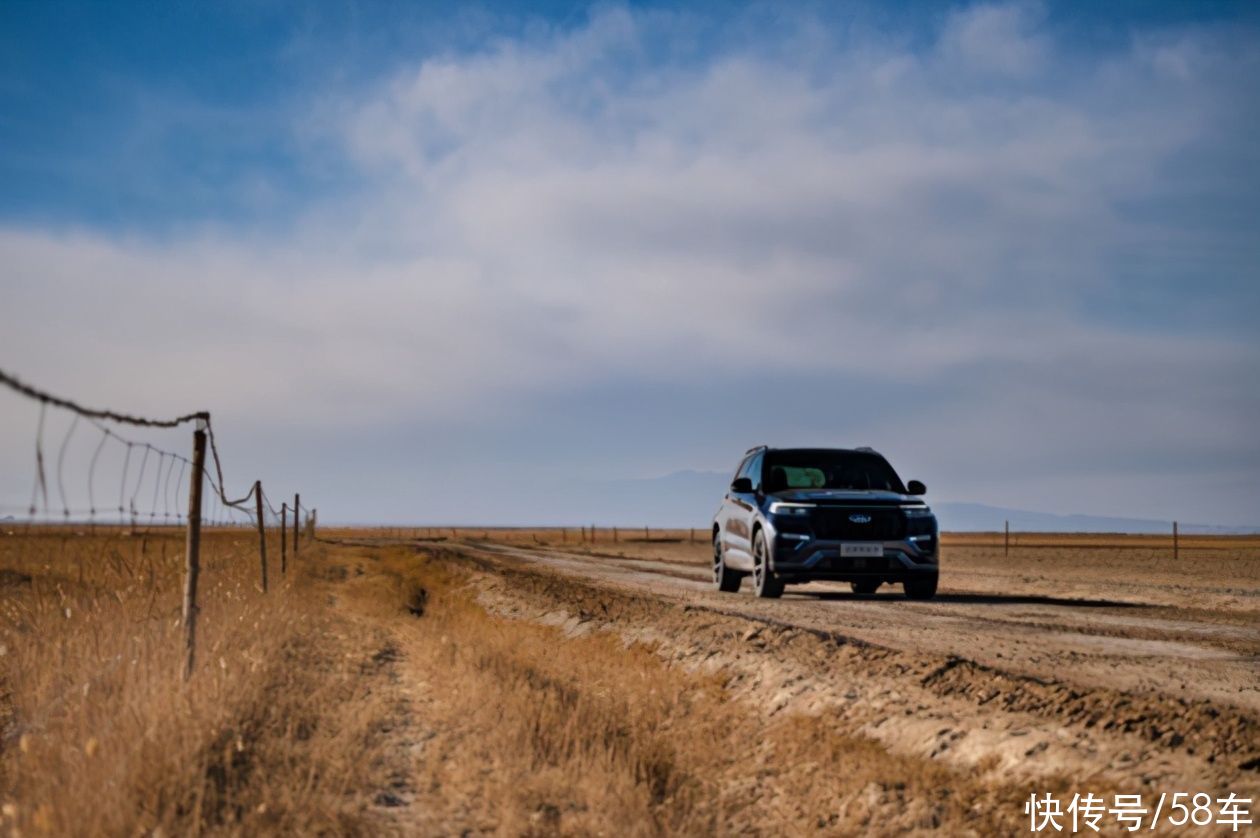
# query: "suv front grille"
833,524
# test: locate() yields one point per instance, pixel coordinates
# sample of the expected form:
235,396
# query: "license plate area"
862,550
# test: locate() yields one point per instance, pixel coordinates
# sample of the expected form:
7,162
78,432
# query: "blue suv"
795,515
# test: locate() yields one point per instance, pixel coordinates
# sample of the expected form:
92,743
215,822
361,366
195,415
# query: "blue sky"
422,258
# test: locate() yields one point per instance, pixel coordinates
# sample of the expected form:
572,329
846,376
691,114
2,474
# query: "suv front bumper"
806,560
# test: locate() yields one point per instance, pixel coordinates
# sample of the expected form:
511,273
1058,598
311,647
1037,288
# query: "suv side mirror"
915,487
741,486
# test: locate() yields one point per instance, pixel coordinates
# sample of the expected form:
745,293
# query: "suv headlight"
919,521
791,510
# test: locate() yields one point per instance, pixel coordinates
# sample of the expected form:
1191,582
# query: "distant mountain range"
689,498
977,517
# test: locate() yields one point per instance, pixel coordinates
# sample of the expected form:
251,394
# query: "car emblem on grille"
860,519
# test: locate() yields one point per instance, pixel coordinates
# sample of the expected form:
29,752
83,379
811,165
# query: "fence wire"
151,484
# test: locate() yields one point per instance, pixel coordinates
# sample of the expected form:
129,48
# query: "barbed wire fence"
151,490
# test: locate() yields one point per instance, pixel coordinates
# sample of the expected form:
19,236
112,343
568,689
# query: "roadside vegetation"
102,736
390,685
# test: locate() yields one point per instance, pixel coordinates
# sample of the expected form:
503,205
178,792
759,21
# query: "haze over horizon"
472,263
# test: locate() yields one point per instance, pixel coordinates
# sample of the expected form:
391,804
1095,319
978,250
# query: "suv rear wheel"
727,580
765,586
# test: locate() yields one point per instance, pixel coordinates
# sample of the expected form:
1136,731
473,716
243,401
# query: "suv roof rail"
866,448
755,448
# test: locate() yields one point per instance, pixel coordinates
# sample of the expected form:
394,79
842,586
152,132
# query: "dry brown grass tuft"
102,736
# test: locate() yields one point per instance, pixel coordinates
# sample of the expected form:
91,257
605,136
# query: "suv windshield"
822,469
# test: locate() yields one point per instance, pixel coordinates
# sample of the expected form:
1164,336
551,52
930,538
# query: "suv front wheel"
727,580
922,588
765,586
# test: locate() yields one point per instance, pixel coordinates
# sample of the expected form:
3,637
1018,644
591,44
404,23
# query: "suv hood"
845,497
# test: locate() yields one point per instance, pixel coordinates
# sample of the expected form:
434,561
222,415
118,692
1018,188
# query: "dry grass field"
527,682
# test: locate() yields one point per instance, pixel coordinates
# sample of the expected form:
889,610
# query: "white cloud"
996,38
558,210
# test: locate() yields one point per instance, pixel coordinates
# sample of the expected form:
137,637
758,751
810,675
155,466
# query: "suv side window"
742,471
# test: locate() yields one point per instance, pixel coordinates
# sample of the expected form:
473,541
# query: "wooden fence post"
614,534
297,501
646,535
192,549
692,537
1176,543
284,524
262,533
1007,548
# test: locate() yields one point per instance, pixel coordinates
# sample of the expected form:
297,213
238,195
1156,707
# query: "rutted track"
1031,684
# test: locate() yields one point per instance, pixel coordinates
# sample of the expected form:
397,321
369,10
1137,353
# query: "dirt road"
1097,662
1121,628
